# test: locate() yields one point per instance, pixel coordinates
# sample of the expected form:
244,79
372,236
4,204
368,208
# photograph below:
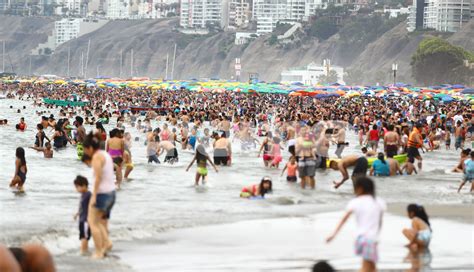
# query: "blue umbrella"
458,86
447,99
468,91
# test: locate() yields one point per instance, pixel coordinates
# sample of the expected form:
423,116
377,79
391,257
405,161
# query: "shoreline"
258,245
135,255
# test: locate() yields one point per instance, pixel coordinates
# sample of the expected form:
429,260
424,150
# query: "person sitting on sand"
258,190
380,166
468,173
201,158
360,164
419,236
47,150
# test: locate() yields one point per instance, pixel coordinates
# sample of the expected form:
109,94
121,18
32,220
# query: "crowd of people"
391,133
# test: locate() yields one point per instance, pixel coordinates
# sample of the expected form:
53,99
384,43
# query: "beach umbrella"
458,86
468,91
447,99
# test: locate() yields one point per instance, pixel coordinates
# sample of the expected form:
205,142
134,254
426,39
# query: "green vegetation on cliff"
436,61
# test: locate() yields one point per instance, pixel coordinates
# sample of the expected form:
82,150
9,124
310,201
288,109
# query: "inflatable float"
402,158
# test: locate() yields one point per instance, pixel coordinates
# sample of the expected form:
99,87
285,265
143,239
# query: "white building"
312,5
244,37
394,13
310,74
68,7
200,13
268,13
66,29
118,9
440,15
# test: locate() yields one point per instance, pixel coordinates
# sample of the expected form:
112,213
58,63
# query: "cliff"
211,55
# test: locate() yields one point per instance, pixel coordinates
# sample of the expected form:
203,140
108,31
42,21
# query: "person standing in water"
40,136
468,173
419,236
19,177
116,147
415,141
127,154
368,210
306,163
103,193
201,158
80,136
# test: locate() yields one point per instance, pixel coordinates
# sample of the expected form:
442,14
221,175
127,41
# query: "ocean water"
162,198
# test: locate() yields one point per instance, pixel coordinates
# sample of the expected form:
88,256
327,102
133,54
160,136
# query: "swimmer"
127,155
468,173
22,125
419,236
40,136
171,151
19,177
261,189
360,168
292,168
201,158
409,167
380,166
47,150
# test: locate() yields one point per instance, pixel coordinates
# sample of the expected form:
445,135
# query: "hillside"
368,60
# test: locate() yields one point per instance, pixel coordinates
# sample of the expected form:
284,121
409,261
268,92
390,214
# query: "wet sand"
293,244
463,213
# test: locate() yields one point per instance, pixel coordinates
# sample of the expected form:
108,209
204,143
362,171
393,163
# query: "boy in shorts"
468,173
82,184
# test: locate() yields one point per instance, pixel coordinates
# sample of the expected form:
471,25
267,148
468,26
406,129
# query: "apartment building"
201,13
439,15
118,9
66,29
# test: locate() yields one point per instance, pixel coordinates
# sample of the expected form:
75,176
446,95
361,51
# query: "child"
419,235
369,212
47,150
292,167
468,172
19,178
82,184
258,190
409,166
276,153
447,138
201,159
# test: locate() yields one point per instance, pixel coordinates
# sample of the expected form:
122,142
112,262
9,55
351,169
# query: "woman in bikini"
20,170
116,148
